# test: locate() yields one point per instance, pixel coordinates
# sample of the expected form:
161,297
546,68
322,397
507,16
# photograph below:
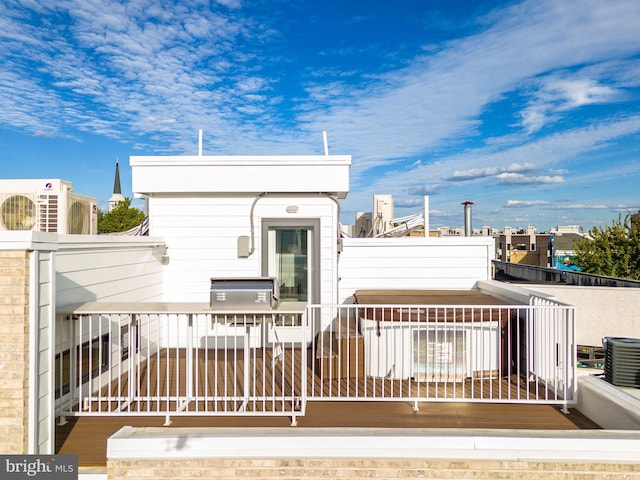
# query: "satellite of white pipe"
200,142
326,144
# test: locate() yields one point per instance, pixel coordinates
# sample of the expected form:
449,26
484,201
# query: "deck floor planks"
219,383
87,436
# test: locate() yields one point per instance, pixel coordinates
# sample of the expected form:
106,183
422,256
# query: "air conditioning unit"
46,206
622,361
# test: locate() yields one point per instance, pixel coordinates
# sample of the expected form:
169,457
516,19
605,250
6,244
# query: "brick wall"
341,468
14,351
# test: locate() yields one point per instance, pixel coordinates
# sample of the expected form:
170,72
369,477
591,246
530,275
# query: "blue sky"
530,109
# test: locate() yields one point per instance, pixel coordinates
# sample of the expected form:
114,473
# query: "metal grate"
48,213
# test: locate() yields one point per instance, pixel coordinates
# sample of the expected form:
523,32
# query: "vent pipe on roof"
200,142
467,219
326,144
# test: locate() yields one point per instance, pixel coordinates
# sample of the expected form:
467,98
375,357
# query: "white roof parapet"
241,174
463,444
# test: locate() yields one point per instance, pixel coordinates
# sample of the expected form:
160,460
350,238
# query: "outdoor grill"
244,293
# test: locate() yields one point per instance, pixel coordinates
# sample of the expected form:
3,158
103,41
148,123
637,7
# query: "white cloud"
475,173
230,3
561,92
585,92
426,189
525,203
519,179
409,203
626,209
582,206
534,118
438,213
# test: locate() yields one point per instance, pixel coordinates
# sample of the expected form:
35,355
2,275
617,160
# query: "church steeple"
116,183
117,189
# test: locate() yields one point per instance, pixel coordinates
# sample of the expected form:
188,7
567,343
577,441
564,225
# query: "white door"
289,260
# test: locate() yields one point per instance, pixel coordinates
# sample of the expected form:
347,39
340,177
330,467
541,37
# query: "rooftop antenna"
326,144
200,142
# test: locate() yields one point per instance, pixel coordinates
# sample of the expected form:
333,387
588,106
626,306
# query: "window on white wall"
92,358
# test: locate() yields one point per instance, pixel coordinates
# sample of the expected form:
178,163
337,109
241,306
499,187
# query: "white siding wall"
109,268
201,233
444,263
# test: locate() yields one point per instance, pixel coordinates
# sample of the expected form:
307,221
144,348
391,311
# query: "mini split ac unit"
46,206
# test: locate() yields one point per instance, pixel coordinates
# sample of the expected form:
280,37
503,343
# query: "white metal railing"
479,353
183,364
273,363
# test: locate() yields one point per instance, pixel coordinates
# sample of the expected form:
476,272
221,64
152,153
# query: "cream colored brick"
18,288
12,309
310,469
17,299
17,332
19,265
252,472
12,319
11,448
14,253
13,281
291,462
14,345
13,272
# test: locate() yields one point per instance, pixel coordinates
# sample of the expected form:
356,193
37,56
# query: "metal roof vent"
622,361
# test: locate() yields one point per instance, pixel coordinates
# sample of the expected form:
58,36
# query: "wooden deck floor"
221,383
87,436
166,373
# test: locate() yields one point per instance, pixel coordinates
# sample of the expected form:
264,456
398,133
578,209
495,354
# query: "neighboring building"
563,248
527,247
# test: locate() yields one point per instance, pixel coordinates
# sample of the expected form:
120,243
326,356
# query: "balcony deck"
229,385
87,436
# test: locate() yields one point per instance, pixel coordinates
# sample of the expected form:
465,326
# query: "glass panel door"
290,261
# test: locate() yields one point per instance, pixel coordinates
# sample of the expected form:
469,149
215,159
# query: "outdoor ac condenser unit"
46,206
622,361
